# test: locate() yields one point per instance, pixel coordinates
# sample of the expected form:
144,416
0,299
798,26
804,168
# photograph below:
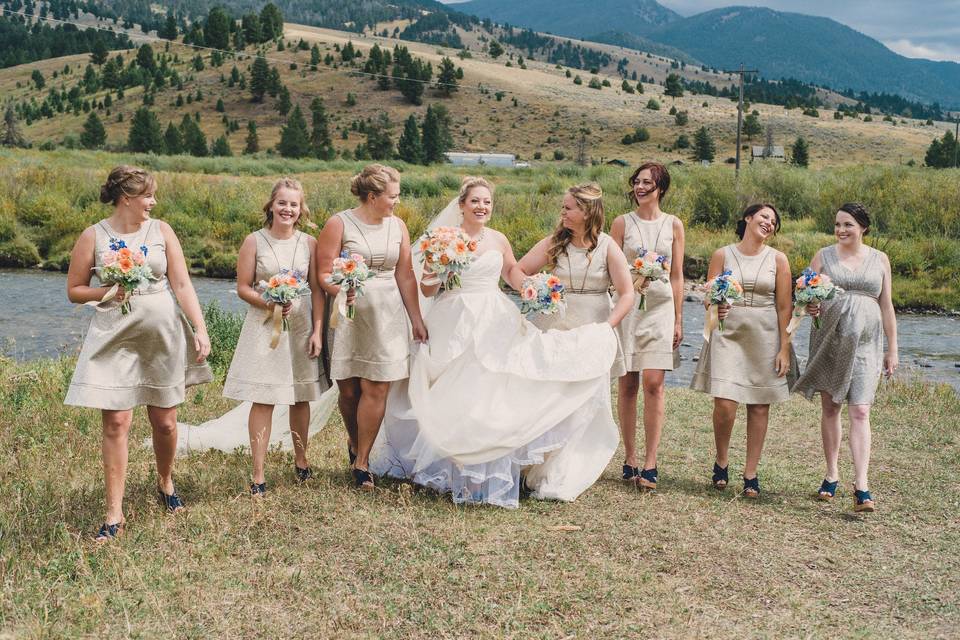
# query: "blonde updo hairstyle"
470,183
286,183
589,197
373,180
126,181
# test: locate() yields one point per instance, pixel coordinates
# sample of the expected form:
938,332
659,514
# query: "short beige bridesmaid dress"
285,375
146,357
647,335
740,363
586,282
375,345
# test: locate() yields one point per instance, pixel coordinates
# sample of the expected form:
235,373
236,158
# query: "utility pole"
741,71
956,141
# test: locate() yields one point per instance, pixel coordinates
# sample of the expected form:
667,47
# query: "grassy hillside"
46,199
323,560
537,110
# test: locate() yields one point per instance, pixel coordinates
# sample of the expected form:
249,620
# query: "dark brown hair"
859,213
286,183
660,175
752,210
128,181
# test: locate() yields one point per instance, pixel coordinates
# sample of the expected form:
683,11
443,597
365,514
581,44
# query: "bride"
490,396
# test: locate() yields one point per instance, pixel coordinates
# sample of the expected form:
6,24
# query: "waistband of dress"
862,294
587,292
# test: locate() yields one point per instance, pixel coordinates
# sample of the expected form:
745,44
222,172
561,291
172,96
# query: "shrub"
221,265
653,105
19,252
558,154
224,330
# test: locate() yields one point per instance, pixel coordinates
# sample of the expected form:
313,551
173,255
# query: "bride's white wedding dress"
490,395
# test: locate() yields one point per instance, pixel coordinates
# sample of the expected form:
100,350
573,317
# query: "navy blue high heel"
108,532
170,501
827,490
258,490
862,501
303,474
647,479
751,487
720,477
363,480
629,473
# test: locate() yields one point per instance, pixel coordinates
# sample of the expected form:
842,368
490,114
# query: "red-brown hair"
660,175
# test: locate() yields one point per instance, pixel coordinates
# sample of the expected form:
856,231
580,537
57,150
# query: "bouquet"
282,289
810,287
723,289
648,266
447,252
350,271
123,267
542,292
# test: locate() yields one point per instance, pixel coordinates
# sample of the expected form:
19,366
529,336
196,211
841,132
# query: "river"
37,321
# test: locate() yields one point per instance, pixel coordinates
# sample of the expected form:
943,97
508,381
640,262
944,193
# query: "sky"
916,29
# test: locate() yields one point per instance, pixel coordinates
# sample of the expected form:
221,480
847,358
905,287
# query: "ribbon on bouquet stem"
799,311
107,297
711,322
339,309
277,325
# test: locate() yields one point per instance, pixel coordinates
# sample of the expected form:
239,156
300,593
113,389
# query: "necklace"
386,246
293,260
479,238
586,270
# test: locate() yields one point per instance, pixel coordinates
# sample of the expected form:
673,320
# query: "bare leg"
373,404
628,388
758,417
300,432
348,402
259,425
860,443
653,401
724,415
113,449
832,435
163,422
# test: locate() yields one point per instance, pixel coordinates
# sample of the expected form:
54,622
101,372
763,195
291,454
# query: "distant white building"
767,153
489,159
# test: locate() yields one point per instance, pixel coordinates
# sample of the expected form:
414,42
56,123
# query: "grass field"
325,561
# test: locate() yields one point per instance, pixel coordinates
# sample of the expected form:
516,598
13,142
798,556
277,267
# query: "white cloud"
928,50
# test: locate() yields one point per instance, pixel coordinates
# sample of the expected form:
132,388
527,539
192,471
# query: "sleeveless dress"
587,292
285,375
376,344
146,357
740,363
491,395
846,352
647,336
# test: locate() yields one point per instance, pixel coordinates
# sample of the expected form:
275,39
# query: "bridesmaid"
146,357
846,353
749,361
650,338
288,374
588,263
373,349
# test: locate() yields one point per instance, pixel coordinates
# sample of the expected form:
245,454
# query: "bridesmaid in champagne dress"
286,374
650,337
372,350
749,360
145,357
846,352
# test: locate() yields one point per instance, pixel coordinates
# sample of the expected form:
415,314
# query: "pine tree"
99,52
321,146
145,58
273,82
221,148
145,134
11,133
294,137
379,145
194,140
284,104
259,78
409,147
216,32
495,49
38,79
220,107
942,153
703,146
253,140
315,55
169,30
752,126
271,22
436,137
447,77
673,87
172,140
110,75
94,135
250,23
800,155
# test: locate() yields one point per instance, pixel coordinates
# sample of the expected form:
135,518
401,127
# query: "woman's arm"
715,268
329,244
784,301
813,309
407,283
247,275
511,273
622,282
676,280
536,258
316,304
182,287
429,282
617,230
80,272
891,360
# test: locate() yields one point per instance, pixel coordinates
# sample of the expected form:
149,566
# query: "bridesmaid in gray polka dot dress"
846,352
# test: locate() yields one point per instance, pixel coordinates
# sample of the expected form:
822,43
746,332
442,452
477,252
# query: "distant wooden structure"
617,162
488,159
759,152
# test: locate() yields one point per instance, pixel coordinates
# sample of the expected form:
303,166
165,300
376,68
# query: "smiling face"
142,204
384,203
762,224
477,205
571,215
645,189
286,207
847,230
